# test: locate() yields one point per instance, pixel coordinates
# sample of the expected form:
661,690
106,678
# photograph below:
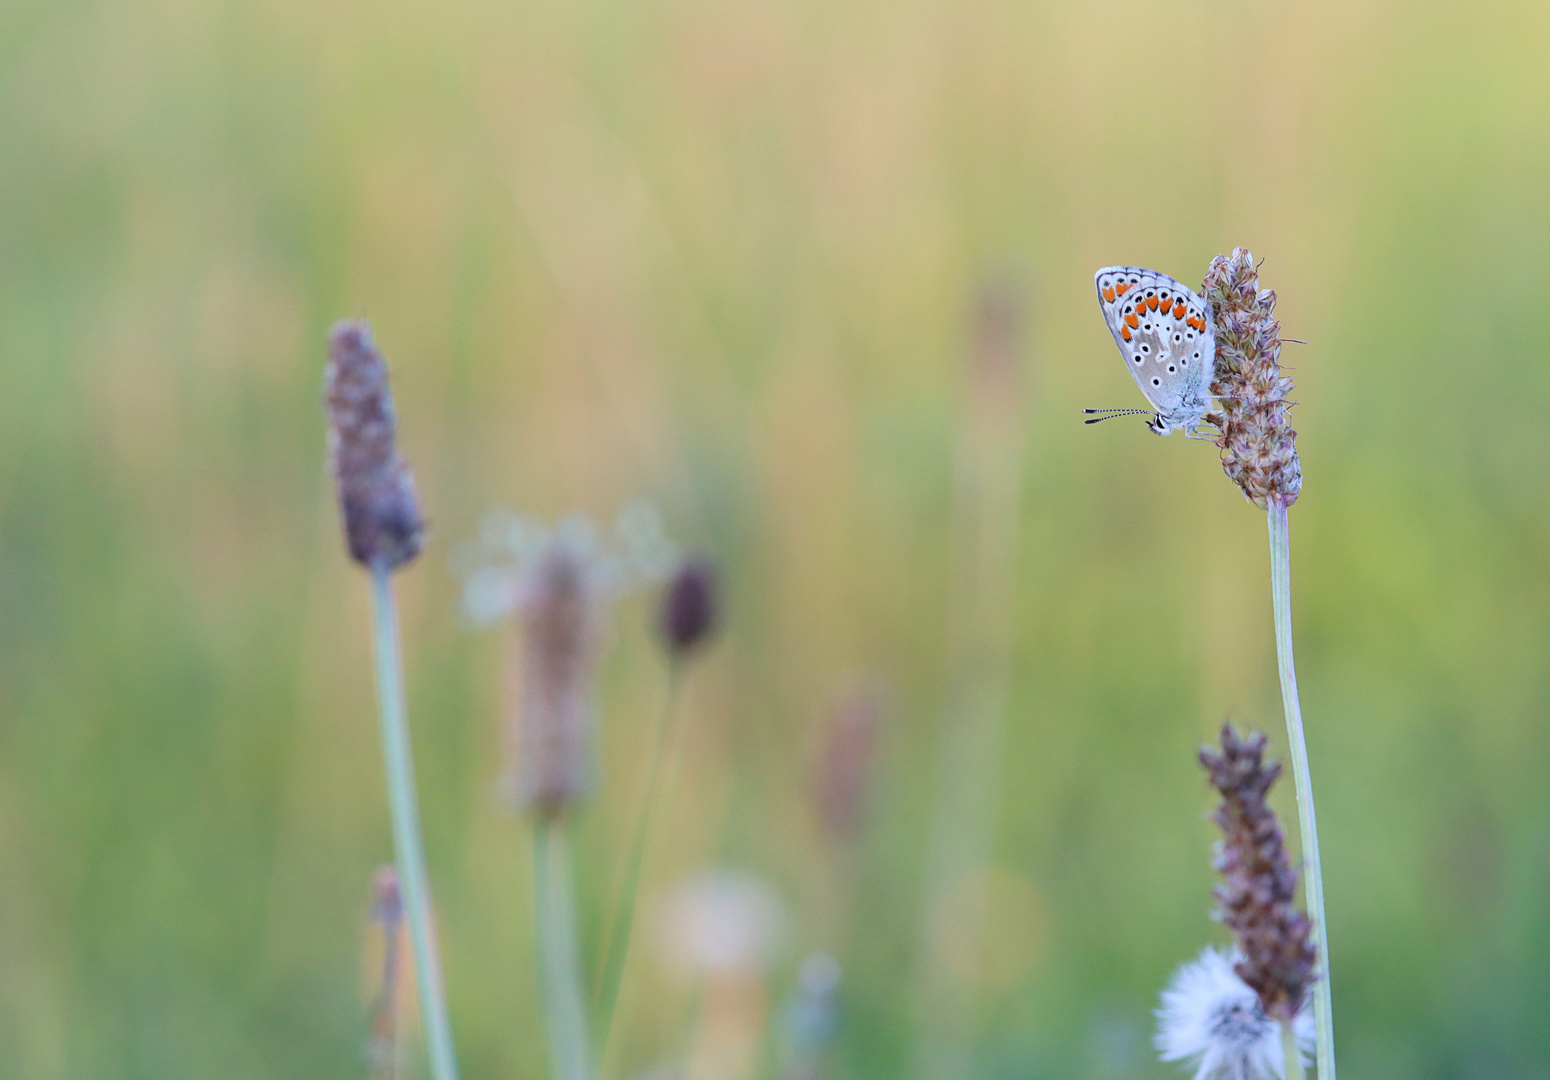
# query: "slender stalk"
1291,1051
1307,821
623,921
408,850
564,1006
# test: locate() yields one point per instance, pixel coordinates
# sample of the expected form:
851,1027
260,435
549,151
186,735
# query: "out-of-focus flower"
690,605
561,582
497,567
845,763
722,922
999,318
389,963
383,525
551,763
724,928
1212,1019
812,1016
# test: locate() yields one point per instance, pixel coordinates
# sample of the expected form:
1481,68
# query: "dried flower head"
1259,447
1212,1019
382,521
561,581
689,605
559,614
1256,901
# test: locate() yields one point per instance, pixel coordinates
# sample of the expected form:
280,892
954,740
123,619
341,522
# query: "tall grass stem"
564,1007
623,921
1307,820
408,850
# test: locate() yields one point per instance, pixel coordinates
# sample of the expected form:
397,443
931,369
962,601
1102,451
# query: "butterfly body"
1164,332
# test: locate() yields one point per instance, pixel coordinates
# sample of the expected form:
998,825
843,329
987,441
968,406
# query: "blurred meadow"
815,280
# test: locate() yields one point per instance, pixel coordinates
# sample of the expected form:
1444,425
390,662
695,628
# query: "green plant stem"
408,850
1291,1052
623,921
564,1006
1307,820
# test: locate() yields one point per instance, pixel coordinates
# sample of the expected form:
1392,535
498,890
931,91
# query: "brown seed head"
553,738
382,522
1256,900
1259,447
690,606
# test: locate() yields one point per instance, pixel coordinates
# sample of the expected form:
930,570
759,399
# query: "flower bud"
690,605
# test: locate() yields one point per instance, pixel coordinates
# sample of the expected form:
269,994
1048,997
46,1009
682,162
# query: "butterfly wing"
1164,332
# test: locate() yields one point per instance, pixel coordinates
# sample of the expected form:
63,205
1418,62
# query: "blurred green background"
728,255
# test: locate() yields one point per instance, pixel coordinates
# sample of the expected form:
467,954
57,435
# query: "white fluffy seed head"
1212,1020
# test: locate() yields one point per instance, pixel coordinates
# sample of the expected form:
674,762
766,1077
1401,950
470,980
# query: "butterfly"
1164,332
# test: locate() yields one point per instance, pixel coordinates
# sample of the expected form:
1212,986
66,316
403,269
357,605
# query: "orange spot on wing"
1108,294
1121,289
1131,319
1124,331
1178,310
1151,302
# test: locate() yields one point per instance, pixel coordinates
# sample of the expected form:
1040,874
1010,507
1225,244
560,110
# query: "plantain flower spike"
1277,959
383,525
1259,447
559,612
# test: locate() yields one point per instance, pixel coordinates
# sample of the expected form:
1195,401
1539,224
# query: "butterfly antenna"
1112,413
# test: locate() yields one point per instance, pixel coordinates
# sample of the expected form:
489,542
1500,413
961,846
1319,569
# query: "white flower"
1212,1019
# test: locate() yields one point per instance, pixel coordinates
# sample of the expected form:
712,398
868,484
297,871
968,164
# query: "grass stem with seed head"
688,616
564,1006
1259,454
1307,820
408,850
